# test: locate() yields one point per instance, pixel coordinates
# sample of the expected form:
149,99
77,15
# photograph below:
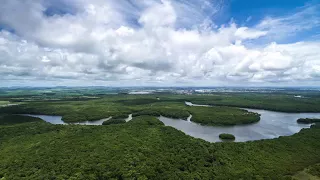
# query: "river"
271,125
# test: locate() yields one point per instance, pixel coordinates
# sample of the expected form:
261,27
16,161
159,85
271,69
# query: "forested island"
226,136
308,120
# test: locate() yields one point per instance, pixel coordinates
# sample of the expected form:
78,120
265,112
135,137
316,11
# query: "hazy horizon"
206,87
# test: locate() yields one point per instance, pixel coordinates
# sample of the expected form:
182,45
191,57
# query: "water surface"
129,118
58,120
271,125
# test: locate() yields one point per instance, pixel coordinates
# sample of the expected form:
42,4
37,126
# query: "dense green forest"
114,121
225,136
308,120
144,148
220,116
7,119
274,102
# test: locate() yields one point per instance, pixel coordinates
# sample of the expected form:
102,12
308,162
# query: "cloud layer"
151,42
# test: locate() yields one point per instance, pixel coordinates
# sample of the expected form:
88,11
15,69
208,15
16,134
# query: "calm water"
50,119
129,118
58,120
271,125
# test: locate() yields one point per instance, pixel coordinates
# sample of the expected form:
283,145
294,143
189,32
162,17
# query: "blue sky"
250,13
241,10
160,42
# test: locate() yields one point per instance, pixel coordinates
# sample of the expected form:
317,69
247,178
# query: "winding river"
271,125
58,120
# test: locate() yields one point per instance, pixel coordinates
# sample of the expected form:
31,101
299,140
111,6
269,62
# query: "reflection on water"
98,122
271,125
129,118
191,104
58,120
50,119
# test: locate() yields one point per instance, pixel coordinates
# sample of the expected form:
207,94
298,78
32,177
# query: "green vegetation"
308,120
90,104
316,125
149,112
2,103
314,170
310,173
167,112
120,116
285,99
72,111
119,106
222,116
16,119
136,150
146,149
225,136
114,121
145,120
268,159
284,102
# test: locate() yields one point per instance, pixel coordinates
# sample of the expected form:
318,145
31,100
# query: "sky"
159,43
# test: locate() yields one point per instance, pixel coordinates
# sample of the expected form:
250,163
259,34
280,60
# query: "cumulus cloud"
145,43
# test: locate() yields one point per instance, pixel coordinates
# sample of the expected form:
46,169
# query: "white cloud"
246,33
288,26
161,14
101,43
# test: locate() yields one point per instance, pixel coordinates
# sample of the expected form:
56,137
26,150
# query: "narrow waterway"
58,120
129,118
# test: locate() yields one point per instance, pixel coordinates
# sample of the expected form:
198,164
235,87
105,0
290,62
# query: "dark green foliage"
145,120
147,100
225,136
145,149
114,121
149,112
316,125
8,132
268,159
284,99
120,106
138,101
120,116
167,112
308,120
274,102
222,116
129,151
91,110
314,170
173,113
16,119
72,111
